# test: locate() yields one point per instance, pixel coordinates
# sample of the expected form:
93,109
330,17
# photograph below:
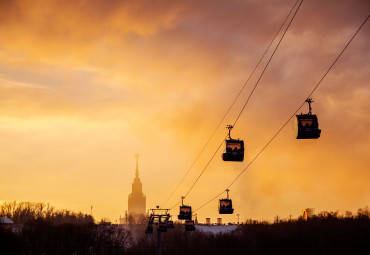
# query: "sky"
85,85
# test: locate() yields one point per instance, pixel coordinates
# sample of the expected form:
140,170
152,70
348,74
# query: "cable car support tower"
160,218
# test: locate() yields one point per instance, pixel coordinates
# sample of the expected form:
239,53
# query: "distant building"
8,224
137,200
208,221
5,221
307,213
219,221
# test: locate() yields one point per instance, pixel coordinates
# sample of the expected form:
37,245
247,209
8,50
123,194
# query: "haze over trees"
41,229
23,212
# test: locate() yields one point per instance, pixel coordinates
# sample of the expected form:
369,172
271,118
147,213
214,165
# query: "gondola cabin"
170,224
149,230
225,206
307,126
189,225
162,227
234,150
185,212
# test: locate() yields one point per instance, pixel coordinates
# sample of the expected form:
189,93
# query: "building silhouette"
137,200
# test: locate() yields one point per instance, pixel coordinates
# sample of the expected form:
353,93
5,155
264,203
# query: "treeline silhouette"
324,233
23,212
40,229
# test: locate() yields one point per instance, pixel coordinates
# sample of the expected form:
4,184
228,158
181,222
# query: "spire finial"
137,165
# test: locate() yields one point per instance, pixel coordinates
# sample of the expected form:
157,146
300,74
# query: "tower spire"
137,165
136,199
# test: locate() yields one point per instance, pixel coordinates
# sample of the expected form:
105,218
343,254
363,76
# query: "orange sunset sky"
84,85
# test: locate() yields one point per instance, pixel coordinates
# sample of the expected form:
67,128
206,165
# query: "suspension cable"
232,104
286,29
263,71
309,95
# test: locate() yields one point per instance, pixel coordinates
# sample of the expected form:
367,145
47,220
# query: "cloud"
84,85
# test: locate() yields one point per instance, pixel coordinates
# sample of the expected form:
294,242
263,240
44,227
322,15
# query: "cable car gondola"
189,225
225,205
306,125
234,148
170,224
185,211
149,230
162,227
